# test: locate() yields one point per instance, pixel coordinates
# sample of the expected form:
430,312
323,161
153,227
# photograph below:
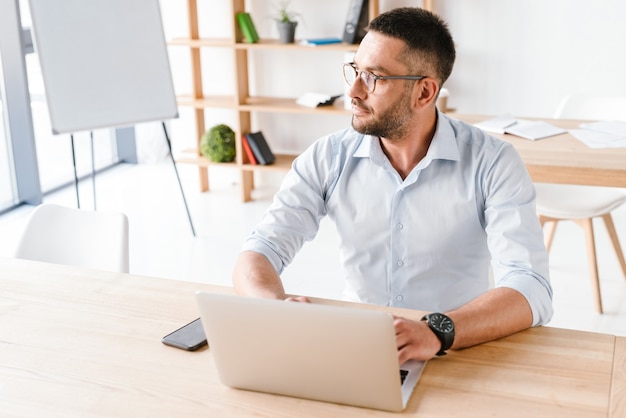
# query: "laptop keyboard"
403,375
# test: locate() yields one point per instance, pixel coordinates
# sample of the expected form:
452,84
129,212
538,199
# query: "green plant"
284,14
218,144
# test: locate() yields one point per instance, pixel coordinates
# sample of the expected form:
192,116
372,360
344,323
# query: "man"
424,204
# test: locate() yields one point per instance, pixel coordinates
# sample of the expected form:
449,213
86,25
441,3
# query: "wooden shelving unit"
241,102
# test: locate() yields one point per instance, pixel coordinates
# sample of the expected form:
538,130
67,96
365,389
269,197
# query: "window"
33,161
7,180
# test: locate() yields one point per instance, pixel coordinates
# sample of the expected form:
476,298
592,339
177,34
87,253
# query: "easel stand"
75,172
180,185
93,174
93,170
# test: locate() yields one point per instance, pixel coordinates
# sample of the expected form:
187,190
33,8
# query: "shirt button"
399,298
399,226
399,263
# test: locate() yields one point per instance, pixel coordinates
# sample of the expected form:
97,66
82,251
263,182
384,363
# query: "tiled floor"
161,242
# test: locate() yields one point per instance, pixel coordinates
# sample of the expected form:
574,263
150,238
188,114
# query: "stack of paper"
532,130
497,125
316,99
606,134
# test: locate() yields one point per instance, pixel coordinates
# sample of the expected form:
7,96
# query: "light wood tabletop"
618,388
563,158
79,342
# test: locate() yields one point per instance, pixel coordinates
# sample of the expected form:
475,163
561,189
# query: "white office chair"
78,237
556,202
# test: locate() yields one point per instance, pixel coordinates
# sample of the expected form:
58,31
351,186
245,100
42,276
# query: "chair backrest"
584,106
78,237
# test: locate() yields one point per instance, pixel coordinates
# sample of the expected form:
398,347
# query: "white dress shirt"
425,242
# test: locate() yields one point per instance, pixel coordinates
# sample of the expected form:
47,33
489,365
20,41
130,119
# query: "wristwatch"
443,327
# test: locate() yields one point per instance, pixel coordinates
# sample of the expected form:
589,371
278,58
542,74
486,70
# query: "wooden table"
618,388
77,342
565,159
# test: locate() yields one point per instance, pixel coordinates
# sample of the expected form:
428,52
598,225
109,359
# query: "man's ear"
425,92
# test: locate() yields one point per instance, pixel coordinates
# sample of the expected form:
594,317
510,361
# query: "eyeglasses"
350,74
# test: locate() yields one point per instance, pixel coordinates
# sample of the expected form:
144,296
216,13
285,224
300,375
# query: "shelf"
202,42
275,44
209,101
242,101
202,161
289,105
282,163
261,104
261,44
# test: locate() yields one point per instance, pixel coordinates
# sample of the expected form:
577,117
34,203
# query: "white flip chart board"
104,63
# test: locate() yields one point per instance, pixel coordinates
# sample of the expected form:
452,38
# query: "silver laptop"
327,353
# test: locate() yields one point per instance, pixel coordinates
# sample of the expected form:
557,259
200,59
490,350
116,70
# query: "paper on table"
597,139
603,134
507,124
496,125
533,129
612,127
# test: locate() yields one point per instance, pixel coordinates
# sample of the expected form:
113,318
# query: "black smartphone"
189,337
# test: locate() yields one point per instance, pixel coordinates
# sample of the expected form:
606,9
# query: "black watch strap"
443,327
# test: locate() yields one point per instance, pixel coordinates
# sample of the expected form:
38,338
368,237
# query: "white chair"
78,237
581,204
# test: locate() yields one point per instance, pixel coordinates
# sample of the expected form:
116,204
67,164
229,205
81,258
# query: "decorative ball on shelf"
218,144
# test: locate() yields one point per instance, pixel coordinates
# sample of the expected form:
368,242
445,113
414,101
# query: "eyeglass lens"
351,73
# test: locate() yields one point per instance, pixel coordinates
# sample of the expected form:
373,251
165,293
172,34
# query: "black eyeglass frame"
358,73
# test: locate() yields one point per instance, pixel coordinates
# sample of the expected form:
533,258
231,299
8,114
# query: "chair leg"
587,225
551,230
608,221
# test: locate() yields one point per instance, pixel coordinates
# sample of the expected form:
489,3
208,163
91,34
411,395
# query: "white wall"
524,56
517,56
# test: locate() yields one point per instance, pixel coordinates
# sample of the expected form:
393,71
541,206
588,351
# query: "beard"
389,124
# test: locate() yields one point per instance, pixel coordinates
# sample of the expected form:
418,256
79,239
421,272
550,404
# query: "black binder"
354,30
260,148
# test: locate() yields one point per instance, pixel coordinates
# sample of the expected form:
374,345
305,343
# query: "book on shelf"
247,27
320,41
261,150
248,150
356,22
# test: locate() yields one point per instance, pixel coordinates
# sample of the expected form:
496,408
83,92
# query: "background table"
563,158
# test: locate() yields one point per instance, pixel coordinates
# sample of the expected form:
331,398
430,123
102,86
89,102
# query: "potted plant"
286,20
218,144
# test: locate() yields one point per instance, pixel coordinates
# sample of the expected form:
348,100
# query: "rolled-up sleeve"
515,237
294,216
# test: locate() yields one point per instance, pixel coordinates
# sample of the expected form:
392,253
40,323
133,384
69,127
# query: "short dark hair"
426,35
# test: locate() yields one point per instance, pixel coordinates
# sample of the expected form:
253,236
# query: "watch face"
441,323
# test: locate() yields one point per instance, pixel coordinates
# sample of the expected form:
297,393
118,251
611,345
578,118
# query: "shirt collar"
442,147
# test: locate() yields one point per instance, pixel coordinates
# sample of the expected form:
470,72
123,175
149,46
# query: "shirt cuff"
258,245
538,294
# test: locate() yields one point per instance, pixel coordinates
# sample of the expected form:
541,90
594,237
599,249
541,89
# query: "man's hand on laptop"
298,299
415,340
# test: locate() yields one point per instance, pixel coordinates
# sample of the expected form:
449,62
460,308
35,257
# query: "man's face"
386,111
